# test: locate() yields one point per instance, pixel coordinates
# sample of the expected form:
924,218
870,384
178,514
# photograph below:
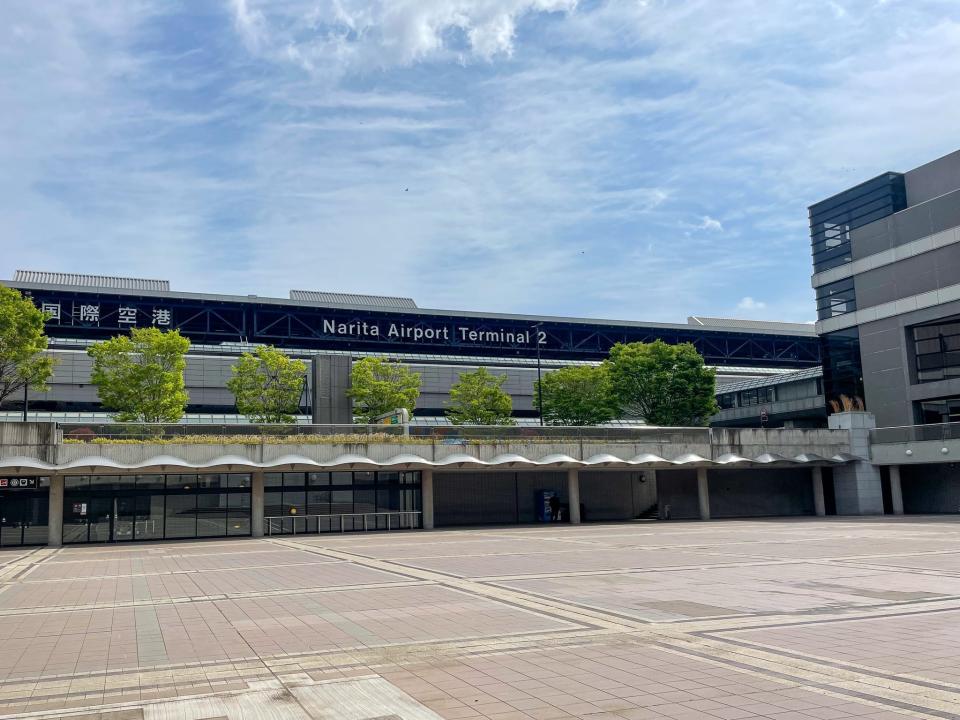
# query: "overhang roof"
97,465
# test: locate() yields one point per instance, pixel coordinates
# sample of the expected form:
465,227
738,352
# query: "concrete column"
857,487
703,493
256,503
426,498
55,512
896,492
819,504
573,495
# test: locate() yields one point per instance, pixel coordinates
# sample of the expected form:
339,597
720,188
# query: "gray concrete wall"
205,377
907,225
760,492
491,497
677,489
886,352
930,488
911,276
614,495
933,179
331,380
436,381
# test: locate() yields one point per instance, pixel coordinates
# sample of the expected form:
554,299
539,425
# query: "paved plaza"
782,619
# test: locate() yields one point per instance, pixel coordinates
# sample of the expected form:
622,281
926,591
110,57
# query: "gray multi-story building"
886,260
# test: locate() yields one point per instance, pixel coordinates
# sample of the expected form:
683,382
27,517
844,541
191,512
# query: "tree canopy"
378,386
22,345
140,376
267,385
576,395
478,398
663,384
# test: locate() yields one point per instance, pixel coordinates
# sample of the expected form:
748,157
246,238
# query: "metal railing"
284,521
916,433
425,434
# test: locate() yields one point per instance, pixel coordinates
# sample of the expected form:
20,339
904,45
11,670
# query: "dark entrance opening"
24,514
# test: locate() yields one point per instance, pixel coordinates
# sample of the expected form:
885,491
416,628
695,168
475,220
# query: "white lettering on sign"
513,337
127,316
89,313
161,316
353,329
51,310
417,333
421,333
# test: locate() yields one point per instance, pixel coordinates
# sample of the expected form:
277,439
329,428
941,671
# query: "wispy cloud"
636,160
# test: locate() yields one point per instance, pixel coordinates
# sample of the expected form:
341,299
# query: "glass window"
211,514
148,523
181,482
937,351
318,479
364,478
76,481
238,514
181,516
211,482
272,504
273,479
318,502
341,478
238,481
150,481
294,480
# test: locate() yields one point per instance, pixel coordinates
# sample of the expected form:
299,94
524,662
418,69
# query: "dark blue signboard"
209,320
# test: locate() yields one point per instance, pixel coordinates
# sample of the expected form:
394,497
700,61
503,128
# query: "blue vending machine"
543,504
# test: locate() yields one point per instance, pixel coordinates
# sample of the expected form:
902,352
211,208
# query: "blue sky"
635,159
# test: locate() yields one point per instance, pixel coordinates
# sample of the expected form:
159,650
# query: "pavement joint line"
166,573
942,710
767,664
471,587
853,667
184,599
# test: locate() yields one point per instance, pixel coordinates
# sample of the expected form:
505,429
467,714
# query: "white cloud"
357,35
748,303
709,223
510,155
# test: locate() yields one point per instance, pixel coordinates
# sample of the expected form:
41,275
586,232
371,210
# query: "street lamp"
536,339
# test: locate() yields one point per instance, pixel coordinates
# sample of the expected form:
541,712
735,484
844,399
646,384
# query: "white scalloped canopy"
98,464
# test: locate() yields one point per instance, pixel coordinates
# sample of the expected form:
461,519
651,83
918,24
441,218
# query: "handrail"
935,432
388,514
248,434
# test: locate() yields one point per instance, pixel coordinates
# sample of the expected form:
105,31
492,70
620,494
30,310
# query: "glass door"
23,519
100,512
11,521
124,517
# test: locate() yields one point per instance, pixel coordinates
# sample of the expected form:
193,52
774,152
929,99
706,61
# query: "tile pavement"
784,620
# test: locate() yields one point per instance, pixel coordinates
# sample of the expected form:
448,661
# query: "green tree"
478,398
22,345
663,384
379,386
577,395
140,376
267,385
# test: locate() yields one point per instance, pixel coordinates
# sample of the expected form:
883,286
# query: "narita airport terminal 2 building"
886,257
331,330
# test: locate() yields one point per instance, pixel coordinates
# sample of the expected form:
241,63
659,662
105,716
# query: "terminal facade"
331,330
886,259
